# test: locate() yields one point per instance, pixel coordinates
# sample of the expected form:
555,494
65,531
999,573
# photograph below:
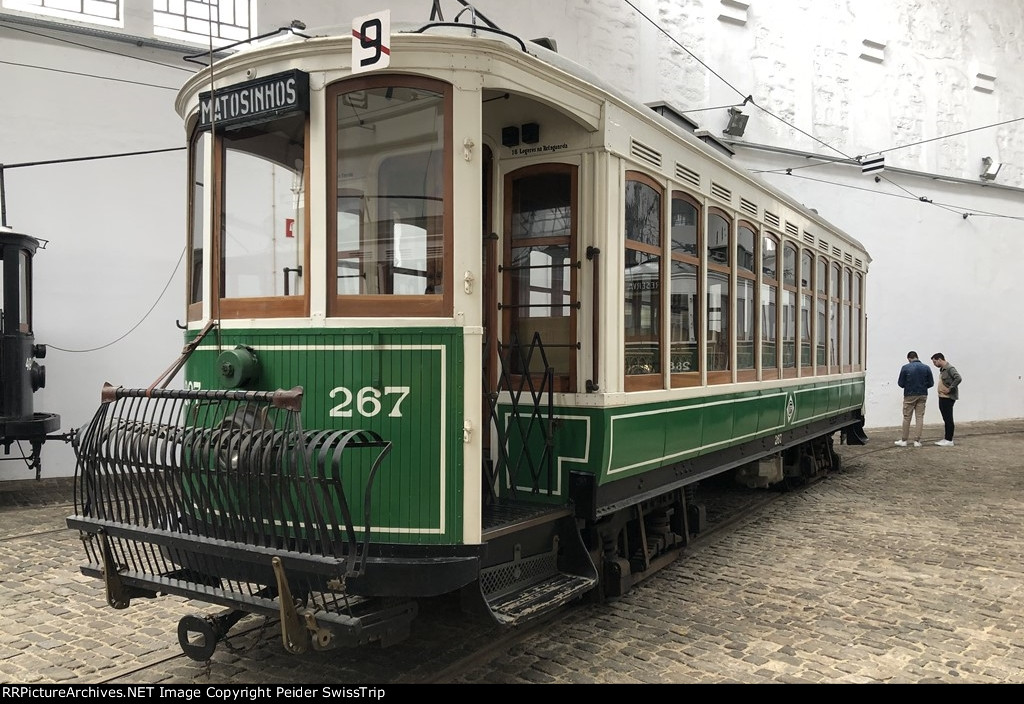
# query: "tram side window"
262,228
834,317
858,317
197,201
719,243
847,320
685,301
16,314
769,307
788,309
806,308
642,305
746,300
821,312
389,162
25,290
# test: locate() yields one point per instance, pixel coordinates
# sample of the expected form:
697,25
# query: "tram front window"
389,161
262,224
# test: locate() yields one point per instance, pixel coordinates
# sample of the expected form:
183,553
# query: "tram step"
505,518
535,563
539,598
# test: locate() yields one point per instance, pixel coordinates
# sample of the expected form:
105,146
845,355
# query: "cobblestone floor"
906,567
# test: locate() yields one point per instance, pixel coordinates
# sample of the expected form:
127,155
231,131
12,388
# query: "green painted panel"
405,384
619,442
691,427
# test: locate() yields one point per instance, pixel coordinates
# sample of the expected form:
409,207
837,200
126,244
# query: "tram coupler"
198,635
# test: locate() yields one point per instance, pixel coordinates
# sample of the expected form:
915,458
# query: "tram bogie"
464,323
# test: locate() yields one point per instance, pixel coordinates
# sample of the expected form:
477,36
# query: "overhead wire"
69,160
896,148
947,136
948,206
101,156
141,320
748,98
89,75
94,48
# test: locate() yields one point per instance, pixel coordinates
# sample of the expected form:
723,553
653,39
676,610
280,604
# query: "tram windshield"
389,163
257,265
263,192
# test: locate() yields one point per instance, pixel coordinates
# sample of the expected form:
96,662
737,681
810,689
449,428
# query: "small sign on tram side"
371,42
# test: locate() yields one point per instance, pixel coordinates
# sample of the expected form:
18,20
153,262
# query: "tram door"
531,299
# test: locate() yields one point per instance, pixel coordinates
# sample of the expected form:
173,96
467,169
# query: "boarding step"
535,562
541,598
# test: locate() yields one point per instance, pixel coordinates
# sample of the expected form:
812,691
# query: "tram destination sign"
255,101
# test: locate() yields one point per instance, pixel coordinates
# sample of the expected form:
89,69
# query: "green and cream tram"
460,318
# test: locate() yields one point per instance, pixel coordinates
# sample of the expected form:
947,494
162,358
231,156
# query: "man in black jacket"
949,381
915,379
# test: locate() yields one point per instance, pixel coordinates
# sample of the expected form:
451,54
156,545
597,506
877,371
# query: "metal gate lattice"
524,421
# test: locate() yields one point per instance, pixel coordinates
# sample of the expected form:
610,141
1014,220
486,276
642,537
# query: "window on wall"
390,165
223,21
109,13
806,309
769,307
789,296
821,315
642,279
746,301
717,331
684,297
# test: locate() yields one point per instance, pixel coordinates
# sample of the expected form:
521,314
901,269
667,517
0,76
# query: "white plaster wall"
113,227
937,281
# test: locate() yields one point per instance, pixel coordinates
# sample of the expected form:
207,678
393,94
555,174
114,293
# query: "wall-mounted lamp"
989,169
737,123
528,133
510,136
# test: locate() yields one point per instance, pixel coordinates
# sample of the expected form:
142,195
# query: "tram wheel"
837,462
197,637
807,467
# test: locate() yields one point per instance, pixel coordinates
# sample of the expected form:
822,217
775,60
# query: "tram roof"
491,36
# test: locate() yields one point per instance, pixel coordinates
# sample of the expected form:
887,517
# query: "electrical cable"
141,321
93,48
69,160
948,206
90,75
750,99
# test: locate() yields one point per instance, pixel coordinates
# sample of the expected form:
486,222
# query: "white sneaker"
945,443
917,444
902,443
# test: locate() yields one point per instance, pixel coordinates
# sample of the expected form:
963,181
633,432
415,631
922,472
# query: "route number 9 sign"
371,42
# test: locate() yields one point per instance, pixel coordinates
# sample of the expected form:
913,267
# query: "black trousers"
946,409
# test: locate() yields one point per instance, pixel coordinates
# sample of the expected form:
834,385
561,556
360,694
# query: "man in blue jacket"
915,379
